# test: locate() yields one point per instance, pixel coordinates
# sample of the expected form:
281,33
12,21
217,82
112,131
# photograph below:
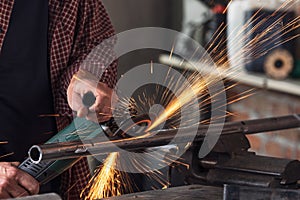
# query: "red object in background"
218,9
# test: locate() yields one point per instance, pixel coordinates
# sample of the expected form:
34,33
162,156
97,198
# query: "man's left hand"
81,84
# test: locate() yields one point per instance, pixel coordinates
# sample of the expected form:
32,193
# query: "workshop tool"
79,129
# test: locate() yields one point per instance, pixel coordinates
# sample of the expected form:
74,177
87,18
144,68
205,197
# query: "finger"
103,96
98,103
8,168
102,105
11,187
75,93
82,112
105,113
76,102
77,105
4,181
15,190
102,114
103,119
8,180
92,117
4,194
3,168
27,182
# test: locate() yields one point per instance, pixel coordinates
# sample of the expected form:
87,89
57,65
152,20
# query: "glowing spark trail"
6,155
104,183
225,10
49,115
177,103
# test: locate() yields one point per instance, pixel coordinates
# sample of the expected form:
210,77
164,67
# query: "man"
43,43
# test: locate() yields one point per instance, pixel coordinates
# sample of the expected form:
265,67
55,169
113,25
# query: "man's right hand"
15,182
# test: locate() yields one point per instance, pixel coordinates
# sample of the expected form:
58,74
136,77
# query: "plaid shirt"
75,28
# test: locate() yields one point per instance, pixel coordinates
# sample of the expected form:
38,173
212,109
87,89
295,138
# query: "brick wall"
265,103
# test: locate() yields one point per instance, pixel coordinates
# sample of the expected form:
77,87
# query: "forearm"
93,46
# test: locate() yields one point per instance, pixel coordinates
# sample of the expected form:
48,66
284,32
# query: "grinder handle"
88,99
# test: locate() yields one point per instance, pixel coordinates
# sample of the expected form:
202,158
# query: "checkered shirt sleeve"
84,25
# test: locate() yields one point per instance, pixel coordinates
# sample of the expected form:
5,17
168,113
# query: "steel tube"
64,150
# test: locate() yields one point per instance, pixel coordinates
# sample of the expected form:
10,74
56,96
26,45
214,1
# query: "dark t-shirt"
25,91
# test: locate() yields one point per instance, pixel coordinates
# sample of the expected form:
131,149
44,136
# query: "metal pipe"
64,150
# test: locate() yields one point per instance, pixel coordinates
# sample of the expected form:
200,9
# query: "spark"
48,133
187,93
104,114
105,183
225,10
241,96
6,155
143,162
172,50
49,115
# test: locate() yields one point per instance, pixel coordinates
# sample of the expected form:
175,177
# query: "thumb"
82,111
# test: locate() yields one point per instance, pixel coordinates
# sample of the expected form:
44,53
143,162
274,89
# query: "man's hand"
15,182
82,83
